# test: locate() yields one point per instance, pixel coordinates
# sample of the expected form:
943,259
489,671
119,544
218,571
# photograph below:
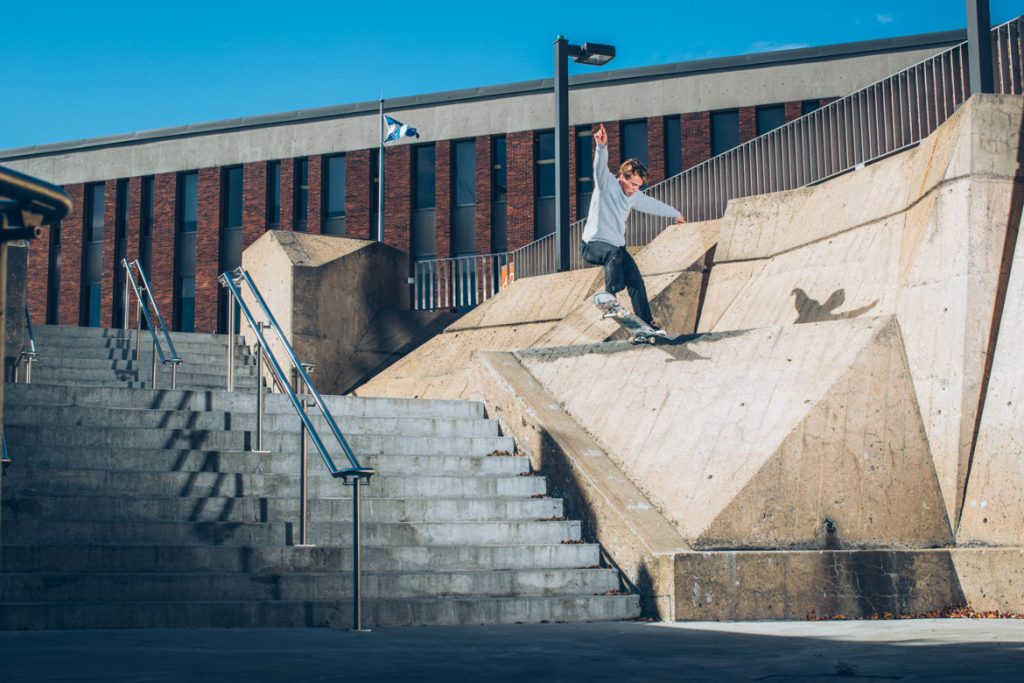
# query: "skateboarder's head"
632,175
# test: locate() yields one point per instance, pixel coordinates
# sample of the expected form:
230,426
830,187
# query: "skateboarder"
604,236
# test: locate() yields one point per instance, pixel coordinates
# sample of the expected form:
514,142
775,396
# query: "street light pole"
588,53
562,153
979,47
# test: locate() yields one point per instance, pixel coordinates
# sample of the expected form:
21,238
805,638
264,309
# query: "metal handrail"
29,355
888,116
359,475
142,310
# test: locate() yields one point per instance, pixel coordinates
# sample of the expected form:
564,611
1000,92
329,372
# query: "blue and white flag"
396,129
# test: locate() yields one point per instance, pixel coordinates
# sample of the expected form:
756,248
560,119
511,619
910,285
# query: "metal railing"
142,309
884,118
355,475
463,281
29,353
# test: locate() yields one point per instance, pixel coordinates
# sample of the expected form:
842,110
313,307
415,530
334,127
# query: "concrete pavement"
911,650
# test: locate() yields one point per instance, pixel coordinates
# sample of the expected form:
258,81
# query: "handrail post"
231,344
357,554
260,399
138,336
174,375
124,317
303,484
153,384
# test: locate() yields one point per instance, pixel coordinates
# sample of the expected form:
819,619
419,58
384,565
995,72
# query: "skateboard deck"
639,331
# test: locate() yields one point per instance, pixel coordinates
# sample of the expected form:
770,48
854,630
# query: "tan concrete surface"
919,235
993,511
639,538
992,579
752,439
342,303
552,310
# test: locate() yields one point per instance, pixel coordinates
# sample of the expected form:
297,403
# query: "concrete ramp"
551,310
919,236
784,437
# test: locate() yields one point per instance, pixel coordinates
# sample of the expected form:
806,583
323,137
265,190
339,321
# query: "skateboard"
639,331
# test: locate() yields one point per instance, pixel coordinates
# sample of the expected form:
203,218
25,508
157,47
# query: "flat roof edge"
610,77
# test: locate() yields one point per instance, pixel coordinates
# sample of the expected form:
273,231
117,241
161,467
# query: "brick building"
186,201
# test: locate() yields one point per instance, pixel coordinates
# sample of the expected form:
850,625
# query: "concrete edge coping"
639,538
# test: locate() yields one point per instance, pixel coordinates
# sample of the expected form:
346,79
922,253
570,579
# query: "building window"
374,192
231,215
188,202
273,194
673,146
463,217
770,118
544,161
634,141
185,252
725,131
92,266
232,181
53,277
807,106
120,250
499,194
424,177
146,224
301,205
334,198
499,169
584,170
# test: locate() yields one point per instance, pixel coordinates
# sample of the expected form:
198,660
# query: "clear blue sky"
79,70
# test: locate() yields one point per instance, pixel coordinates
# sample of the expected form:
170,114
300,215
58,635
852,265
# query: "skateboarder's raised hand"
601,135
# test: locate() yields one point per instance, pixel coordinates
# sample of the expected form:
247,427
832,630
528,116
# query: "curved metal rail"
142,307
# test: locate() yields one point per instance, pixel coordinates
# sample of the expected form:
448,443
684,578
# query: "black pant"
620,272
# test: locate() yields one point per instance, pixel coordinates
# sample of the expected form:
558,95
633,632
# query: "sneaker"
657,330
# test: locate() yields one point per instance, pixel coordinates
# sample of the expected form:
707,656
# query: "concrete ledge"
639,539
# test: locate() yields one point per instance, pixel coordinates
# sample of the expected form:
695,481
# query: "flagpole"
380,175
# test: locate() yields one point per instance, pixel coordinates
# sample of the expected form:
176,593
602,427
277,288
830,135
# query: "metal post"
28,370
259,398
357,556
174,375
979,47
303,489
138,337
231,342
124,317
562,153
153,384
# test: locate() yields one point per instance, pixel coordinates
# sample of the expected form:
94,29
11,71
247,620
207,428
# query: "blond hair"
633,167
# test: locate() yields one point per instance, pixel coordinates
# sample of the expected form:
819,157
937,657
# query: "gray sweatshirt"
609,205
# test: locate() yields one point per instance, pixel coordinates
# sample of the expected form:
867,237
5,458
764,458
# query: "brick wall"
519,153
793,111
287,195
696,134
71,257
614,146
572,175
254,202
134,218
656,149
483,194
314,218
748,123
358,188
443,198
107,287
208,249
398,196
38,276
165,189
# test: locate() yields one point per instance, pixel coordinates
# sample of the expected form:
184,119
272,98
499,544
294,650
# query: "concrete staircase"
126,507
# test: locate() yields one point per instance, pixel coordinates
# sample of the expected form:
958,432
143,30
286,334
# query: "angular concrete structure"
343,303
552,310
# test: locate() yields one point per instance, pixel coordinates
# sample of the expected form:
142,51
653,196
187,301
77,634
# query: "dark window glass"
301,193
232,197
335,182
94,213
187,305
423,188
673,146
464,157
725,131
121,229
274,193
53,277
146,207
770,118
544,160
499,171
807,106
374,192
93,310
120,250
634,141
584,160
188,202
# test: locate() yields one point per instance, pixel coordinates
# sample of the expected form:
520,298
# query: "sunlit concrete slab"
919,236
552,310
